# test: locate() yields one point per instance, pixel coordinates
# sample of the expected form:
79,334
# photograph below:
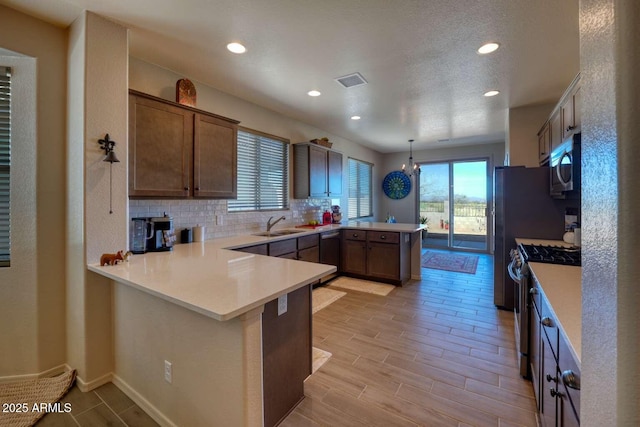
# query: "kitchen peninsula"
189,326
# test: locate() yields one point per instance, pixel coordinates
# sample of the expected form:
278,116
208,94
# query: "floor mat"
367,286
320,357
323,296
34,398
450,262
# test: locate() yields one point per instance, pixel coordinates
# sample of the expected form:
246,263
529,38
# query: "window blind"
5,163
263,173
360,189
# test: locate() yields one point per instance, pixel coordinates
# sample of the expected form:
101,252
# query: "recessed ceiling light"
355,117
313,93
236,48
491,93
488,48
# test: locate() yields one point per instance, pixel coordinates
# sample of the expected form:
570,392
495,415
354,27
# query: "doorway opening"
453,196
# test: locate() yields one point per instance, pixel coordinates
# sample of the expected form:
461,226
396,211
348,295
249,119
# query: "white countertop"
215,282
210,279
562,286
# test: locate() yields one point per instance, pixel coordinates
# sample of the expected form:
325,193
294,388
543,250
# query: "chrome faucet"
270,225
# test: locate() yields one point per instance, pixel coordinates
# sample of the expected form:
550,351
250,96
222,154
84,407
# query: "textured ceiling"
426,81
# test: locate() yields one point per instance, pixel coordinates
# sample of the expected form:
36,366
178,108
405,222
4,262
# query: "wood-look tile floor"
432,353
104,406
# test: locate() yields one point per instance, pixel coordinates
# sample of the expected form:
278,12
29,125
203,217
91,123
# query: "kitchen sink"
278,233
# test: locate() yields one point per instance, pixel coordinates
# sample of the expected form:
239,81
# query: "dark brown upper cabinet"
180,152
317,171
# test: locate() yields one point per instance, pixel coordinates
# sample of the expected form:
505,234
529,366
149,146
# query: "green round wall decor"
396,185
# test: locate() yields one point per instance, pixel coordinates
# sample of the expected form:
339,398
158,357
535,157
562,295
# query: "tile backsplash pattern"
213,215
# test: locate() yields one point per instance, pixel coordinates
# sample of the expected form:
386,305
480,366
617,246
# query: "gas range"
551,254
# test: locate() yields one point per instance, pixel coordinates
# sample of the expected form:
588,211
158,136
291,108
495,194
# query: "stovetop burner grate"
551,254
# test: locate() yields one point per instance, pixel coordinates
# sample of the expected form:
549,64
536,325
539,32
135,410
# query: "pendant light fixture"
108,145
414,169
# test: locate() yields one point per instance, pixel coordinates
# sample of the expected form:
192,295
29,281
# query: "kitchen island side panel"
212,361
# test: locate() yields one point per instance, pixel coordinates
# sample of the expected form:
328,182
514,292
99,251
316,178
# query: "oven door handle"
512,273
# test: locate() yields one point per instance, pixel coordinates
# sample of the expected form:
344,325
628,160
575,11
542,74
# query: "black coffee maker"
163,236
152,234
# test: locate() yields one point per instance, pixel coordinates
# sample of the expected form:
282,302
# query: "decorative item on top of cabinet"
185,93
317,171
177,151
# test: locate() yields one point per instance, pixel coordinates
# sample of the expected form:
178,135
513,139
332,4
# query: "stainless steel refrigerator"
523,208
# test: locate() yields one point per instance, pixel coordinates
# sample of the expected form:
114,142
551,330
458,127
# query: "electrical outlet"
168,372
282,304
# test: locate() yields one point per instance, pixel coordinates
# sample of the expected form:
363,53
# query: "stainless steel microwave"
564,165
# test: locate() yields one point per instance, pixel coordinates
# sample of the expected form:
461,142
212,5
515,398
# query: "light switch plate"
282,305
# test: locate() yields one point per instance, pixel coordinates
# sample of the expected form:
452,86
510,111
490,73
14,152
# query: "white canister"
577,236
198,233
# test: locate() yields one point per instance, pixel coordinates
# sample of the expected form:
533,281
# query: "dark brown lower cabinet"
354,257
257,249
549,378
554,371
286,347
383,260
376,255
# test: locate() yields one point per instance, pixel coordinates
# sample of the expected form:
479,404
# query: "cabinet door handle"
570,128
186,188
553,392
546,322
571,380
197,188
550,378
533,291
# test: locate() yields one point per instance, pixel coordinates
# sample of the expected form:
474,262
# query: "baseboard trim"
57,370
143,403
85,386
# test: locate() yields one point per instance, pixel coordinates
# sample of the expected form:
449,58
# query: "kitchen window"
360,189
5,164
263,172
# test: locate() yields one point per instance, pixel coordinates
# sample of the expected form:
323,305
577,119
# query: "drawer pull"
383,237
355,234
571,380
546,321
553,392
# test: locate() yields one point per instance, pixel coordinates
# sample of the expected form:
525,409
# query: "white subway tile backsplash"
189,213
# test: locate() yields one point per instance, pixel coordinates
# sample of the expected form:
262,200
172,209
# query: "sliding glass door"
453,196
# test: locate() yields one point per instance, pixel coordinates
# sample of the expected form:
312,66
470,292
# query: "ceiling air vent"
351,80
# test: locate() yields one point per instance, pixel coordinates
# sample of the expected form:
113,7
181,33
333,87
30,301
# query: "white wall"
32,335
404,210
522,133
98,57
610,86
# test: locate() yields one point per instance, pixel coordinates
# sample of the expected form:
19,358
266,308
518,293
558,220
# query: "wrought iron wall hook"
108,146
